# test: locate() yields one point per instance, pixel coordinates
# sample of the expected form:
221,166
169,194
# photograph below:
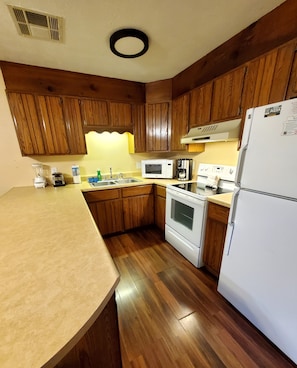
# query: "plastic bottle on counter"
76,174
99,176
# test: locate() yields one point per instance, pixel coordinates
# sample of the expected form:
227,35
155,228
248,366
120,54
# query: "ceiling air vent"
33,24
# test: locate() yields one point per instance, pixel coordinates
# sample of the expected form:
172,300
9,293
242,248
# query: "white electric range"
186,209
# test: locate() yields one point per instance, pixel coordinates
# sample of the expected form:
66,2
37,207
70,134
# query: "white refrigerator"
259,267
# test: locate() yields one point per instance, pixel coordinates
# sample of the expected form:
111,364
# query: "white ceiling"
180,32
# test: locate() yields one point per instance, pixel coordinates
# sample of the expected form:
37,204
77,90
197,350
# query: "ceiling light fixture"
129,43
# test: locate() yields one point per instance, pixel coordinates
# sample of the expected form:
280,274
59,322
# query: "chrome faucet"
110,170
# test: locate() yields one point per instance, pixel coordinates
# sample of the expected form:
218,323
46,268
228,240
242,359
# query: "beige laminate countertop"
56,274
221,199
55,270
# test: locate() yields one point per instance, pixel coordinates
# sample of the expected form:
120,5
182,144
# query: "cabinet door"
138,211
180,122
267,77
54,125
139,128
107,210
74,126
282,70
138,206
95,113
292,87
200,105
121,115
160,206
27,123
157,126
110,216
227,95
215,232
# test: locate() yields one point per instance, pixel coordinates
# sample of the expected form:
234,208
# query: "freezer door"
268,154
258,273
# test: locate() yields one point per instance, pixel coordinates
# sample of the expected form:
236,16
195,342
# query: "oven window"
153,169
182,213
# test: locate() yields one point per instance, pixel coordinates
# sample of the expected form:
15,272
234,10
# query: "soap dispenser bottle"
99,176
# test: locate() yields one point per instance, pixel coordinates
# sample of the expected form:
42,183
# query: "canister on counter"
76,174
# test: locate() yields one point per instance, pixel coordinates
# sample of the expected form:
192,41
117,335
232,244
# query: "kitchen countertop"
221,199
56,274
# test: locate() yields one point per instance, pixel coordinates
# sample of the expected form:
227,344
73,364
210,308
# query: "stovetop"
199,188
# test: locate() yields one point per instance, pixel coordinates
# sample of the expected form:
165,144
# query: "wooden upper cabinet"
292,86
27,123
107,116
120,114
282,71
47,125
74,125
95,113
180,121
268,77
51,111
200,105
227,95
157,126
139,128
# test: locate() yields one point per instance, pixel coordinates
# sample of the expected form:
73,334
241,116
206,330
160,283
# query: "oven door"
186,215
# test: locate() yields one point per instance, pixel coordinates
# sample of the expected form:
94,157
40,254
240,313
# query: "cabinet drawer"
102,195
137,190
217,212
160,191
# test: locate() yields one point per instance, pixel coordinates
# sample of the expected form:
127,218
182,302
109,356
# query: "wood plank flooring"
170,314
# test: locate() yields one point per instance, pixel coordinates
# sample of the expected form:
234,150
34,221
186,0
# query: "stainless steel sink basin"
103,183
127,180
114,181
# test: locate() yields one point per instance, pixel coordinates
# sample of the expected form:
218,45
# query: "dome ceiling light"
129,43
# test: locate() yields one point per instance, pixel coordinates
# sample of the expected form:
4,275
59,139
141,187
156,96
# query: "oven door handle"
185,197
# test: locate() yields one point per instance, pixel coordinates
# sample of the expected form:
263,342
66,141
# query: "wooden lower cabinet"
160,206
216,227
100,346
118,210
138,206
107,210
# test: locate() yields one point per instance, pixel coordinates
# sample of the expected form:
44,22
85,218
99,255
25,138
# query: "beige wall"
104,151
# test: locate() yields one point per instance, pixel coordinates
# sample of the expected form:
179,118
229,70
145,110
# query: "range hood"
220,132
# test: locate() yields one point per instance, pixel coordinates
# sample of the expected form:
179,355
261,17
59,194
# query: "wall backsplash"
105,150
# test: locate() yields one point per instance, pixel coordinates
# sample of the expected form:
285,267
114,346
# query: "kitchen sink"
114,181
127,180
103,183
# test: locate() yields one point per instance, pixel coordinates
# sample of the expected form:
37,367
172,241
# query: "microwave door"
153,169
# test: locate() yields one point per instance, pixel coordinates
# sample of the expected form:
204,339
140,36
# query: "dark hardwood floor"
170,314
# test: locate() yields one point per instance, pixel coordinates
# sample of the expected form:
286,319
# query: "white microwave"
162,169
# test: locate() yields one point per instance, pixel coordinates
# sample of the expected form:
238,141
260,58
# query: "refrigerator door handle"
228,239
244,144
231,223
234,205
241,159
